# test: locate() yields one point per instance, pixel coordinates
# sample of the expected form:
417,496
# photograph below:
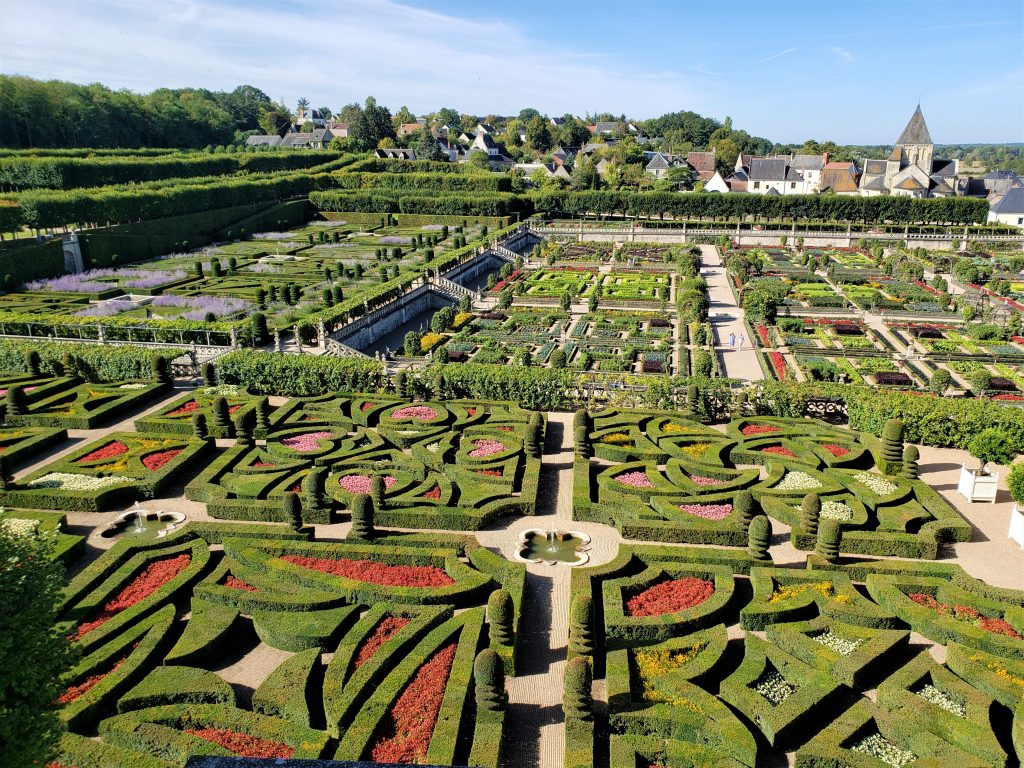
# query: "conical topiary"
32,361
199,429
810,512
291,510
15,401
582,442
910,457
5,472
263,415
500,615
489,679
581,626
829,539
578,698
377,488
220,413
745,506
312,483
209,375
892,445
162,370
69,363
243,430
759,534
362,516
582,418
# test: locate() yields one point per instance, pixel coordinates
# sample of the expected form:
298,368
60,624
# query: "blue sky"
788,70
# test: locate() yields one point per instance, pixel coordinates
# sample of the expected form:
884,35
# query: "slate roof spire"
916,131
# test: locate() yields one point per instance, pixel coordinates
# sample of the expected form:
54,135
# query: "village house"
1008,209
319,138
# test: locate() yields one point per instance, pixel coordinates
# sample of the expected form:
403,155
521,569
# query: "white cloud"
334,53
842,53
778,55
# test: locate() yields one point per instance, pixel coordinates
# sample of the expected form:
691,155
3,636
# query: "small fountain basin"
551,547
143,524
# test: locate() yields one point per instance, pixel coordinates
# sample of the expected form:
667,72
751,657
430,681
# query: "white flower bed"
20,527
774,687
66,481
134,385
942,699
836,510
434,447
881,748
798,481
223,390
877,485
834,642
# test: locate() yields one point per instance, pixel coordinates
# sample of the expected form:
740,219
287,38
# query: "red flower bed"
375,573
74,692
434,493
471,411
366,406
670,596
108,451
967,614
242,744
264,464
155,575
1009,398
233,408
489,472
234,582
155,461
412,718
779,364
387,629
763,333
779,450
184,410
759,429
836,450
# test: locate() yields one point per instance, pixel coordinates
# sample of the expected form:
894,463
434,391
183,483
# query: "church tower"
915,143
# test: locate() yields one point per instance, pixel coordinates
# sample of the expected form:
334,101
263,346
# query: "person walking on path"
742,339
732,339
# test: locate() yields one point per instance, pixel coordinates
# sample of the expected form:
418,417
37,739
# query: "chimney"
824,156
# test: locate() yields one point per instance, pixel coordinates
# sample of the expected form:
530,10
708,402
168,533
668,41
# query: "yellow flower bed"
1001,672
824,588
461,318
696,450
430,340
654,664
617,438
675,429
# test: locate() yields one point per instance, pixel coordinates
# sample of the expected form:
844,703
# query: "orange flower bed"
373,572
242,744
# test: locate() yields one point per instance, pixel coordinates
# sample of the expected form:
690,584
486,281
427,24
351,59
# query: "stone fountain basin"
126,520
530,535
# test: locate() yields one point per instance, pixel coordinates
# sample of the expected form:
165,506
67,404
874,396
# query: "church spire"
916,131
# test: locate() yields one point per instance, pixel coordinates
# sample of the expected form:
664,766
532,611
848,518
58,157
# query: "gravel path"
737,362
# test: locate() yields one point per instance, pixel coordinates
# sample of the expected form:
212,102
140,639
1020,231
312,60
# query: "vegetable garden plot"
400,653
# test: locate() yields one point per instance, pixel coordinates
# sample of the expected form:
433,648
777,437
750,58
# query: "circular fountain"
551,547
143,524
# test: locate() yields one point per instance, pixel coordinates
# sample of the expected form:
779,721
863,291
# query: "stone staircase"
335,348
450,289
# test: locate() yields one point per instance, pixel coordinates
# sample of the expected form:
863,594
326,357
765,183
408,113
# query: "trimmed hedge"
284,693
95,362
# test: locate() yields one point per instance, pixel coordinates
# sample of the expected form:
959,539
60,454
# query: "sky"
847,70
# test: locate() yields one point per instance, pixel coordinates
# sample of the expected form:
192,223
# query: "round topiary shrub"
578,699
291,510
581,626
489,678
810,512
362,516
830,537
759,534
991,446
500,614
910,457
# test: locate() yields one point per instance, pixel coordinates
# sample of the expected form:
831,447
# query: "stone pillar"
298,339
101,334
234,338
321,331
277,341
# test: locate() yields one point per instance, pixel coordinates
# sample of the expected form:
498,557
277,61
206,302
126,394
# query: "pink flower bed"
155,575
484,448
410,723
361,483
708,511
306,443
418,412
635,480
779,450
155,461
670,596
387,629
373,572
703,480
26,390
836,450
759,429
108,451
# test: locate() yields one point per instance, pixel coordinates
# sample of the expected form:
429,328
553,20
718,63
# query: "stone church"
911,169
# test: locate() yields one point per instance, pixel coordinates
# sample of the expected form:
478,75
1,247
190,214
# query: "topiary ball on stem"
500,615
810,513
759,534
362,516
489,679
